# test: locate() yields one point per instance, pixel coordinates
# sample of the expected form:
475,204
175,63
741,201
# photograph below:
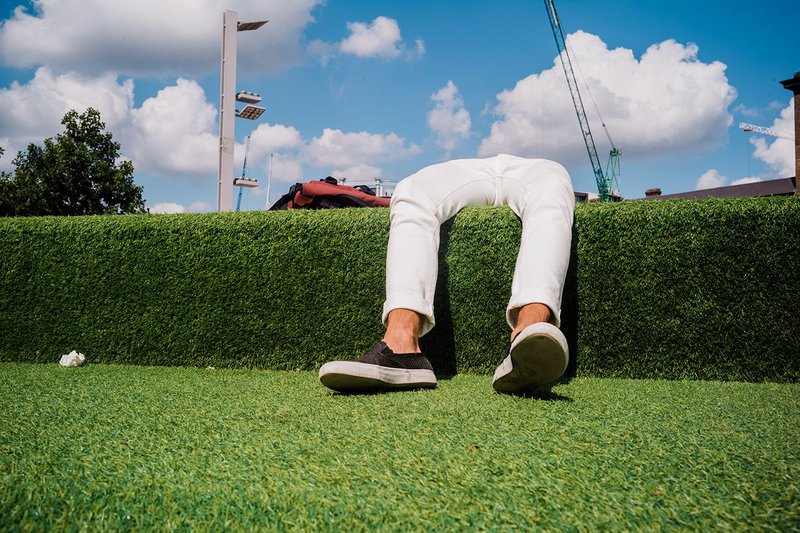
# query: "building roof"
783,186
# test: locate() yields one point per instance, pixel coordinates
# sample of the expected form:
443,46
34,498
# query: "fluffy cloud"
379,38
168,208
750,179
172,208
711,179
778,153
667,101
449,120
340,150
270,138
359,173
174,132
285,168
33,111
150,36
200,207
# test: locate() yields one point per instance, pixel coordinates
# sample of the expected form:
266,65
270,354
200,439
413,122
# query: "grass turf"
119,447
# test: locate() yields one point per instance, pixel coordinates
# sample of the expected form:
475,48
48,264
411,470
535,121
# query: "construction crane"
744,126
607,186
243,181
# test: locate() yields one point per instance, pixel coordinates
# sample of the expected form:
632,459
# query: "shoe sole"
537,359
352,376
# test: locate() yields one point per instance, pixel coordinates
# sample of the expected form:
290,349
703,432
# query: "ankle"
531,314
402,331
402,343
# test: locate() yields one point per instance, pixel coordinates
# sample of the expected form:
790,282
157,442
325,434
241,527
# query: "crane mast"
243,181
603,183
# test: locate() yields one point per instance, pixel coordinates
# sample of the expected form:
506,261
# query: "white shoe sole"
352,376
537,359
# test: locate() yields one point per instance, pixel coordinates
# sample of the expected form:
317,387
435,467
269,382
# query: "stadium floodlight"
250,26
227,105
250,112
248,97
246,182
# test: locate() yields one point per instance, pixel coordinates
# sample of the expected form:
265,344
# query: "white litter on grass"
73,358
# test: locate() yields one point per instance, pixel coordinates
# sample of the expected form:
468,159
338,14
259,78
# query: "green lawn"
123,447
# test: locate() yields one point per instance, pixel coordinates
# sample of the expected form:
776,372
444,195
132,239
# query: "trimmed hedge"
704,289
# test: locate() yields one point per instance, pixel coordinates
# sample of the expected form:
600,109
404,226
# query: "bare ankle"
402,344
402,331
531,314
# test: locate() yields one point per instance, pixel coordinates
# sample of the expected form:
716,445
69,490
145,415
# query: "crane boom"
765,131
603,185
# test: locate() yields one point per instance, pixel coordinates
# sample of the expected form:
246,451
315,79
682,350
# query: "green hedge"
672,289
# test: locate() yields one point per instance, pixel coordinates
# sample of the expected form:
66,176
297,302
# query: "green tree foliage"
76,173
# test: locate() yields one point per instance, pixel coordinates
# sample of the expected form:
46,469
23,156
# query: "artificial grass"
706,289
132,448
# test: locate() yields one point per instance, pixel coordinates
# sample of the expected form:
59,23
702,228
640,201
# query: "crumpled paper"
73,358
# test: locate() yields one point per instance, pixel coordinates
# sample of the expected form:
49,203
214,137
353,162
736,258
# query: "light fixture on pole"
250,112
227,105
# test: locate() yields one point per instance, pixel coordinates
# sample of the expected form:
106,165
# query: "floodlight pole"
227,105
227,112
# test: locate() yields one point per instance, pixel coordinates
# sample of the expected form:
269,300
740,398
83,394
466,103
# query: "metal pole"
269,181
227,112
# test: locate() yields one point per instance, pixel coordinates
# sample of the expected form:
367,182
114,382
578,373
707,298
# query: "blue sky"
383,88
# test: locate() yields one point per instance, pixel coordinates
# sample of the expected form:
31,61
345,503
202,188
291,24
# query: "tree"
75,173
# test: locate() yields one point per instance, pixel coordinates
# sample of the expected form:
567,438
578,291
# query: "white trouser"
537,190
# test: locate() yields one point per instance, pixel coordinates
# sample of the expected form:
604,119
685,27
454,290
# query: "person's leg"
540,193
420,204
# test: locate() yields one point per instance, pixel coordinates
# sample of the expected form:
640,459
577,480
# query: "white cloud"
667,101
321,50
341,151
778,153
449,120
286,168
746,111
380,38
151,36
743,181
200,207
419,45
270,138
168,208
174,132
173,208
33,111
711,179
358,174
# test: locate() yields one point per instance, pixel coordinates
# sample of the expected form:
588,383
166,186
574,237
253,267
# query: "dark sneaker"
534,360
379,369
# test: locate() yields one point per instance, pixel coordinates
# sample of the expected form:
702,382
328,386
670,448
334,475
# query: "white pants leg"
537,190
